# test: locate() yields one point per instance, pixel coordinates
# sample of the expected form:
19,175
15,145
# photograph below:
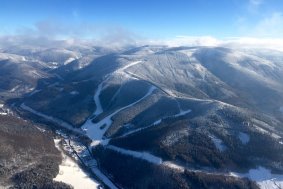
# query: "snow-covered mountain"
199,116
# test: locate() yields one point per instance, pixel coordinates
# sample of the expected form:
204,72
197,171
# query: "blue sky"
157,19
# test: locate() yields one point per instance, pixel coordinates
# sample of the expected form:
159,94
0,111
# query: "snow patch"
174,166
12,57
170,93
263,131
74,93
174,137
244,138
4,111
182,112
188,52
14,88
40,129
69,60
34,92
99,109
200,70
141,155
265,179
35,74
71,173
128,65
218,143
157,122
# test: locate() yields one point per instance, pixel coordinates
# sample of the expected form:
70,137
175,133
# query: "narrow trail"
57,121
181,113
146,156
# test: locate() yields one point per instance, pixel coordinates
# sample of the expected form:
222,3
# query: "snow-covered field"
264,178
71,173
71,144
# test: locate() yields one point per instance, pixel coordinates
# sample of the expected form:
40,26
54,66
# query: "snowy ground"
181,113
244,138
74,93
71,144
265,128
172,165
34,92
99,109
218,143
273,135
140,155
71,173
264,178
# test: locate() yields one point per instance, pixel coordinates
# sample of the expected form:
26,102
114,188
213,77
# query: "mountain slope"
205,111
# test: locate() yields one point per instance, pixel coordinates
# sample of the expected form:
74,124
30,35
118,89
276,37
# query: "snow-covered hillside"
206,111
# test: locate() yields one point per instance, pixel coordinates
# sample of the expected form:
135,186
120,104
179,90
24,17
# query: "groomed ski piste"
262,176
181,113
96,131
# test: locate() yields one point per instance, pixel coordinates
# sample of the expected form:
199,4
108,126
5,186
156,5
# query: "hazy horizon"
204,22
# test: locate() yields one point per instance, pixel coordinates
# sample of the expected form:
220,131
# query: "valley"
198,116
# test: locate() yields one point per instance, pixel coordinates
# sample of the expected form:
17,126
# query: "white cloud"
249,42
253,5
255,2
236,42
267,33
188,41
271,25
47,33
122,38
